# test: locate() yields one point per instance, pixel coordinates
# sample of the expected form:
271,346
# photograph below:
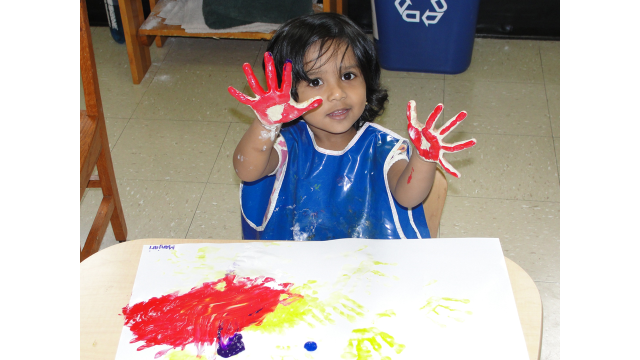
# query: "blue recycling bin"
434,36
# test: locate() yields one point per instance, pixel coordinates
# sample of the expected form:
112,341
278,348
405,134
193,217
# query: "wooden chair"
94,149
434,203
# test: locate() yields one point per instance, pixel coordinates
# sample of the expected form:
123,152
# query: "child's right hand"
275,106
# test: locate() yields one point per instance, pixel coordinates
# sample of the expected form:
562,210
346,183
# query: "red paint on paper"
211,313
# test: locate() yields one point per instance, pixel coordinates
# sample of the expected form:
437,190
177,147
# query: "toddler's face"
340,84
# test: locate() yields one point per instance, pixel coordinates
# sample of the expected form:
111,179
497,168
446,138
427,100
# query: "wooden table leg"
160,40
139,55
335,6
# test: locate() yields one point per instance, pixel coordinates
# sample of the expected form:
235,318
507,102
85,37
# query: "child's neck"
333,142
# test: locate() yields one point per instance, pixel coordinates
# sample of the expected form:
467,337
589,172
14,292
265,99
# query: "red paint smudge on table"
212,312
410,175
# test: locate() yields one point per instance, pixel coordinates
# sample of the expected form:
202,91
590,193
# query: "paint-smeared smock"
319,194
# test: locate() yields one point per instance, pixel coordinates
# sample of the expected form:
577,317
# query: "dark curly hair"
296,36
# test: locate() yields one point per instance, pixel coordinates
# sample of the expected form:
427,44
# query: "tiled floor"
172,137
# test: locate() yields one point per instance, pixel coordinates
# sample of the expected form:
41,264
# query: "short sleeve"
400,152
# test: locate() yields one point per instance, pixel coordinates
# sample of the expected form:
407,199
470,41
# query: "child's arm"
255,156
410,182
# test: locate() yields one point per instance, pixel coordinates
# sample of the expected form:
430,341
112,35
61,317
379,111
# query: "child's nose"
336,92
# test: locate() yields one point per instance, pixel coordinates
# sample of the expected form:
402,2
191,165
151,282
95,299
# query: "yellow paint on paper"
183,355
310,310
443,308
366,344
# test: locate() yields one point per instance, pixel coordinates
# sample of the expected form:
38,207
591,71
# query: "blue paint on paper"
310,346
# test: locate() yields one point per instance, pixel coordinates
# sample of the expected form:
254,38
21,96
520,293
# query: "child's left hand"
428,142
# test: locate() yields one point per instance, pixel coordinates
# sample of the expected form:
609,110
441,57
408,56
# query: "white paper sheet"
365,299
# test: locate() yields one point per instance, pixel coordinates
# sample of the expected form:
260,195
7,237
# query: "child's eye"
348,76
315,82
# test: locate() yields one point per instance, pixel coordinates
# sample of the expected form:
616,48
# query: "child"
314,166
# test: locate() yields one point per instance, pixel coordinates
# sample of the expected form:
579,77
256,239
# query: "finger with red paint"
428,141
275,106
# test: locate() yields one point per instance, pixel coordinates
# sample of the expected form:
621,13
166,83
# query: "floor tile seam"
496,134
479,133
497,81
444,94
182,120
195,211
219,151
160,67
153,76
163,180
206,184
540,281
196,67
257,55
546,93
492,198
223,183
122,132
383,77
106,64
167,53
190,67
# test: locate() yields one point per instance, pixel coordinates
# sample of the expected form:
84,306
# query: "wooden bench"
140,33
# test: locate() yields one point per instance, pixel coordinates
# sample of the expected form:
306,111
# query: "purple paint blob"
233,347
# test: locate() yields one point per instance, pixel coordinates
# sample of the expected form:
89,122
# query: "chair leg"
99,227
110,188
85,175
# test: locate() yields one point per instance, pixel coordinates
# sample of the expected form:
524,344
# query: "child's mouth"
339,114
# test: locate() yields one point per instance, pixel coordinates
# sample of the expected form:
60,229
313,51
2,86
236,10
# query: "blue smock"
319,194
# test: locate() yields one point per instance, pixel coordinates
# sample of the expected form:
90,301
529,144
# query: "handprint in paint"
442,309
367,343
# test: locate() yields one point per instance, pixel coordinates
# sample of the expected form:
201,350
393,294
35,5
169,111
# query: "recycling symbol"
428,17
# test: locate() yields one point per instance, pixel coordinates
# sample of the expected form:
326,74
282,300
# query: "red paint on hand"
273,106
428,142
215,310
